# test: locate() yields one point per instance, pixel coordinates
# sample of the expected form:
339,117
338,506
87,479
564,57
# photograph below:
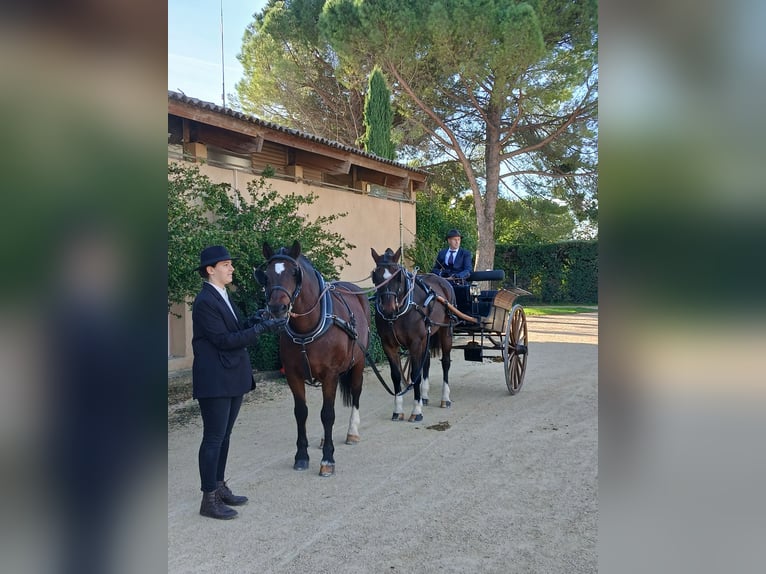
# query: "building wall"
371,222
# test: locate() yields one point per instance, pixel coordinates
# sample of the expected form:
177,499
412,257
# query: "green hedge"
556,273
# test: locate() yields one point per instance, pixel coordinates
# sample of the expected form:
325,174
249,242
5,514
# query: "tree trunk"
485,206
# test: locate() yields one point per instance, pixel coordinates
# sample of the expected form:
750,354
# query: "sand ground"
509,487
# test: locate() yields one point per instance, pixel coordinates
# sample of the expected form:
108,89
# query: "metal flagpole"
223,73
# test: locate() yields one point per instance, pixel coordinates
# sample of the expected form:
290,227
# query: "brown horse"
324,342
409,315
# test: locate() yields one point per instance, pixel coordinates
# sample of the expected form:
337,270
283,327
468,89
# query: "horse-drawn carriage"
326,340
492,322
418,313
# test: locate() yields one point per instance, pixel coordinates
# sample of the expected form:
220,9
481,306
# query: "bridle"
402,296
260,276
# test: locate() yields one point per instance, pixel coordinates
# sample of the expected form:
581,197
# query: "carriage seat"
482,306
489,275
483,303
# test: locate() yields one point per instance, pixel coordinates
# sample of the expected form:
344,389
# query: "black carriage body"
493,326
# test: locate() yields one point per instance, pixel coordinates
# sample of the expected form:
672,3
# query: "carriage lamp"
475,290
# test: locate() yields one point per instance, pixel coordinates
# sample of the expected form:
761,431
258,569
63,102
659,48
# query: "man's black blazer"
461,267
221,365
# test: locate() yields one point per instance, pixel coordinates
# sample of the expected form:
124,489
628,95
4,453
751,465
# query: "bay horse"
324,342
409,315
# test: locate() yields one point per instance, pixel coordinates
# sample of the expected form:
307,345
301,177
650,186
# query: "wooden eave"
263,133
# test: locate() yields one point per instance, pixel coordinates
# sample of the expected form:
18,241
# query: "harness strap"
371,363
349,327
308,377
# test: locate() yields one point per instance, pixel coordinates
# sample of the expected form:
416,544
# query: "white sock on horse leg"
353,422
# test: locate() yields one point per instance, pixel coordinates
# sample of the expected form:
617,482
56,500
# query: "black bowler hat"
453,233
212,255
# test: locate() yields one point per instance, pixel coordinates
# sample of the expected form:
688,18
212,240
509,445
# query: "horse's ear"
295,250
397,255
375,255
267,250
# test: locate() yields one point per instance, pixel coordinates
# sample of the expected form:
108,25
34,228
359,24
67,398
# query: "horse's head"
281,277
390,281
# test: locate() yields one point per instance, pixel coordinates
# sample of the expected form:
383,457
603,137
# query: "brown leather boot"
228,497
212,507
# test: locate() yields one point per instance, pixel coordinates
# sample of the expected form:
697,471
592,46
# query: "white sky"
194,45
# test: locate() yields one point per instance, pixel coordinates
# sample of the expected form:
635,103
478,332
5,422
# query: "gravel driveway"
510,485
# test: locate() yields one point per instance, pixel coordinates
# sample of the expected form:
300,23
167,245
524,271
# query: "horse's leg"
446,344
327,466
301,411
352,436
416,358
391,349
424,379
395,363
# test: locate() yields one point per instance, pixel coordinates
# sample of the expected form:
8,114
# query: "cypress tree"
378,117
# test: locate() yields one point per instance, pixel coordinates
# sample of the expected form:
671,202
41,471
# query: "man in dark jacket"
454,261
221,375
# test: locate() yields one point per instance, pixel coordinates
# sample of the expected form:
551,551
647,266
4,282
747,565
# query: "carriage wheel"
515,349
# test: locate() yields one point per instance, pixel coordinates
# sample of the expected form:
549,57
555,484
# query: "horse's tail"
345,388
435,345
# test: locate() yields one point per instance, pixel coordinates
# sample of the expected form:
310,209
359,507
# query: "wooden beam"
228,140
318,161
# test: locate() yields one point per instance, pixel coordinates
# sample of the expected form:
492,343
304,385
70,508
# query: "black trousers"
218,416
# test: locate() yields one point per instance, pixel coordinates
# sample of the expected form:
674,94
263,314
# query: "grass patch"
560,309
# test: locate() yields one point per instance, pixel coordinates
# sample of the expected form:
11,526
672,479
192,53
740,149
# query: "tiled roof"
270,125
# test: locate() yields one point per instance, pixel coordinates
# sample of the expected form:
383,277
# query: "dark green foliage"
507,90
582,273
293,77
435,216
378,117
264,356
202,213
553,273
376,346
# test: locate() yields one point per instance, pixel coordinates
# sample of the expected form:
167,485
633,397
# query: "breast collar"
325,321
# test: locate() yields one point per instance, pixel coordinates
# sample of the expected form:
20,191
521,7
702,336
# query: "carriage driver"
453,261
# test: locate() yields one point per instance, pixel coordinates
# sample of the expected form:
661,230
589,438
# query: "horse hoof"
425,401
327,469
446,404
397,417
301,465
416,418
352,438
